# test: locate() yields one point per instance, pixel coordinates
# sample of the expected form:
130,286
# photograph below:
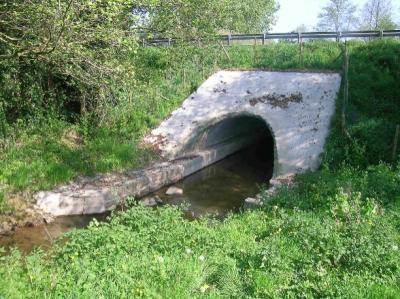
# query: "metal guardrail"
299,36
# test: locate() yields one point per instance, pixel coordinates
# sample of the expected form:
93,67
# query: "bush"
59,54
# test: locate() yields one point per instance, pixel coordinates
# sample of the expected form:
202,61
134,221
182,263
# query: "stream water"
215,190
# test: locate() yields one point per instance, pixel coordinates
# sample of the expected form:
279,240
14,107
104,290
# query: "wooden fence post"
396,141
346,87
301,53
263,39
3,121
223,48
229,39
255,52
339,36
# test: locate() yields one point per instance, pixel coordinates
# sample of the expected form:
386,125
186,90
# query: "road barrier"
298,36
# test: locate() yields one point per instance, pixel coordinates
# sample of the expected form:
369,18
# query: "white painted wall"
299,130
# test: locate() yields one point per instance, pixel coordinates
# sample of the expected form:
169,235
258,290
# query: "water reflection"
222,187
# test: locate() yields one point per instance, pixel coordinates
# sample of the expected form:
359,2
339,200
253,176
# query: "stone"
251,203
59,204
158,200
95,198
148,202
174,191
94,201
135,187
175,172
271,191
275,182
5,229
157,177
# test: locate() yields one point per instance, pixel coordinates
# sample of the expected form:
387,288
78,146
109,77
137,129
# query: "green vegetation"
192,18
336,234
345,15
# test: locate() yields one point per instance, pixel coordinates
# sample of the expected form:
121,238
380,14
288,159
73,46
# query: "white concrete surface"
297,107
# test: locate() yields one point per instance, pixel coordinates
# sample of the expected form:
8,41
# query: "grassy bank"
334,235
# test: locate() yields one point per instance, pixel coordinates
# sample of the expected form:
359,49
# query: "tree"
337,15
193,18
54,51
378,15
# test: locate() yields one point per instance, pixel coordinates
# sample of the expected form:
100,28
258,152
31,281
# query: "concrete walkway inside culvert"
296,107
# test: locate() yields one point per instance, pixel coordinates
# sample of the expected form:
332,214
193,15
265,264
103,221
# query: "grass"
335,235
326,238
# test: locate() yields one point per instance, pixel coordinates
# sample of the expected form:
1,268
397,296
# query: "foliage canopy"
53,52
378,15
191,18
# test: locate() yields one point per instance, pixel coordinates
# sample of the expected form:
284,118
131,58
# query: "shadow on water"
216,190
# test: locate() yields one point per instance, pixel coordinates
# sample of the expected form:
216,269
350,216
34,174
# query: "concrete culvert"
231,107
281,118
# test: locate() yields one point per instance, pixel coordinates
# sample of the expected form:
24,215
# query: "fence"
298,36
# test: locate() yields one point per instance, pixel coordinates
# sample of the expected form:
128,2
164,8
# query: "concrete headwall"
296,107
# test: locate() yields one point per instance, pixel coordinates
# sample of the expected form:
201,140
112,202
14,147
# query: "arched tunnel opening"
245,149
244,135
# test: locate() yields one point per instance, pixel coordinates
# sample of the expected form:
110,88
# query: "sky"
293,13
